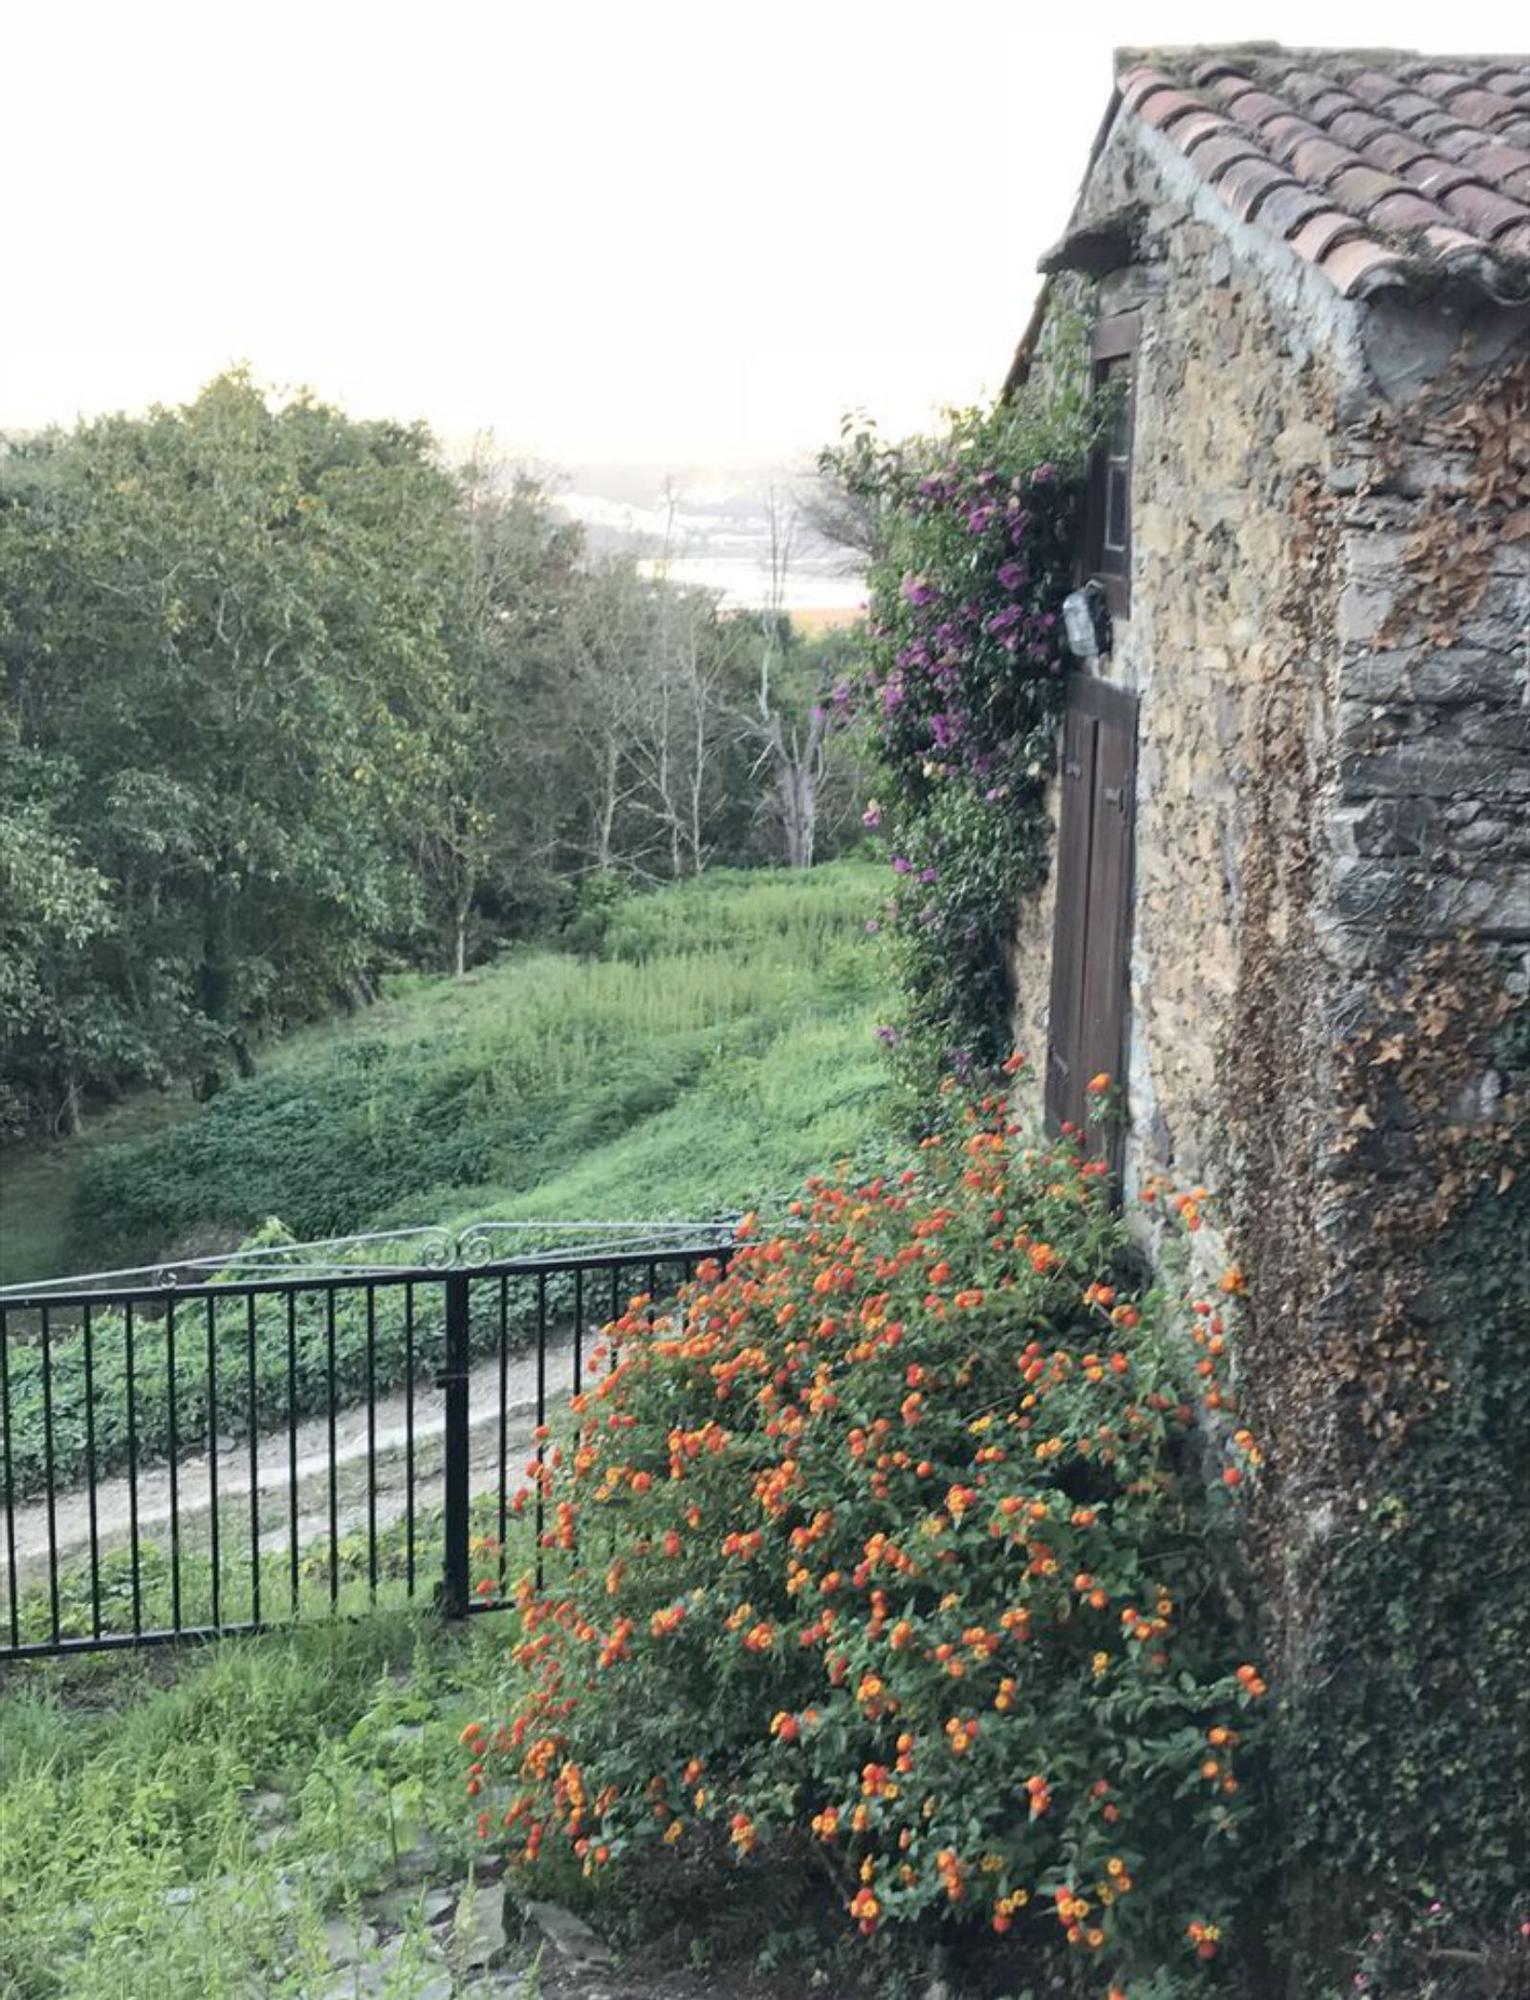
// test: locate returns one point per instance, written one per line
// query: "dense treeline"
(286, 700)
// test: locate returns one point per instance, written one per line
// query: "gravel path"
(273, 1477)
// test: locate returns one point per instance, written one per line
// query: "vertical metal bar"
(409, 1438)
(372, 1442)
(12, 1574)
(292, 1452)
(88, 1337)
(578, 1326)
(48, 1468)
(334, 1490)
(252, 1401)
(504, 1421)
(541, 1507)
(175, 1489)
(212, 1453)
(454, 1381)
(130, 1362)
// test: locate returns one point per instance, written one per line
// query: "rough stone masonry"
(1329, 639)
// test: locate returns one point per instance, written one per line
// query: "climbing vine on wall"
(975, 530)
(1404, 1758)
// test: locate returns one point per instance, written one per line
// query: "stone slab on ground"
(570, 1936)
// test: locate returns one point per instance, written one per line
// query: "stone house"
(1303, 763)
(1290, 911)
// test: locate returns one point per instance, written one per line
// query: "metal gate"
(229, 1444)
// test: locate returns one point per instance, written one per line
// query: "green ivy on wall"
(1404, 1760)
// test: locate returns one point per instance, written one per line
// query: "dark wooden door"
(1091, 939)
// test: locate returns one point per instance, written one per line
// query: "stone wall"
(1233, 412)
(1322, 786)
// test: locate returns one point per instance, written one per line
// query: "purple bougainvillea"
(960, 689)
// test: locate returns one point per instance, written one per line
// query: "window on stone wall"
(1108, 516)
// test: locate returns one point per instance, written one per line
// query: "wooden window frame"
(1116, 341)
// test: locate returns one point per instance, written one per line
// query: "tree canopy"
(286, 699)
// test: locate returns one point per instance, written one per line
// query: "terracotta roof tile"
(1329, 226)
(1211, 67)
(1162, 107)
(1442, 83)
(1189, 132)
(1411, 107)
(1219, 152)
(1248, 184)
(1458, 142)
(1382, 171)
(1354, 127)
(1305, 86)
(1136, 83)
(1228, 86)
(1396, 151)
(1281, 137)
(1359, 188)
(1431, 125)
(1434, 176)
(1398, 213)
(1360, 269)
(1327, 105)
(1255, 108)
(1316, 161)
(1484, 107)
(1287, 207)
(1375, 86)
(1499, 163)
(1482, 211)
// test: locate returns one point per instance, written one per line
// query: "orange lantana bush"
(900, 1542)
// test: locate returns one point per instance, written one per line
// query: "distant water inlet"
(225, 1447)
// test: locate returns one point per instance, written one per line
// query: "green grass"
(718, 1047)
(135, 1863)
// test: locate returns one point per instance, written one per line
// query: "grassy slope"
(717, 1049)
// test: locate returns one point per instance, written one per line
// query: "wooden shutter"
(1091, 942)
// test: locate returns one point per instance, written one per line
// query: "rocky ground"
(436, 1936)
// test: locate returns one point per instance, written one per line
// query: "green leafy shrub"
(892, 1546)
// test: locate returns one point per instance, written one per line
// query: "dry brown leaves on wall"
(1449, 557)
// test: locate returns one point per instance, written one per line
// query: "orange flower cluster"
(938, 1438)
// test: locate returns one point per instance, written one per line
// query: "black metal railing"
(223, 1445)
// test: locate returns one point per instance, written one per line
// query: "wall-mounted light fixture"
(1086, 621)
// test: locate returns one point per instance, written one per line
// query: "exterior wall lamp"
(1086, 621)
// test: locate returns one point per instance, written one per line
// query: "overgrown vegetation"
(184, 1825)
(974, 548)
(897, 1550)
(1401, 1758)
(285, 702)
(457, 1099)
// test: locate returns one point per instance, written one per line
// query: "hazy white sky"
(607, 231)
